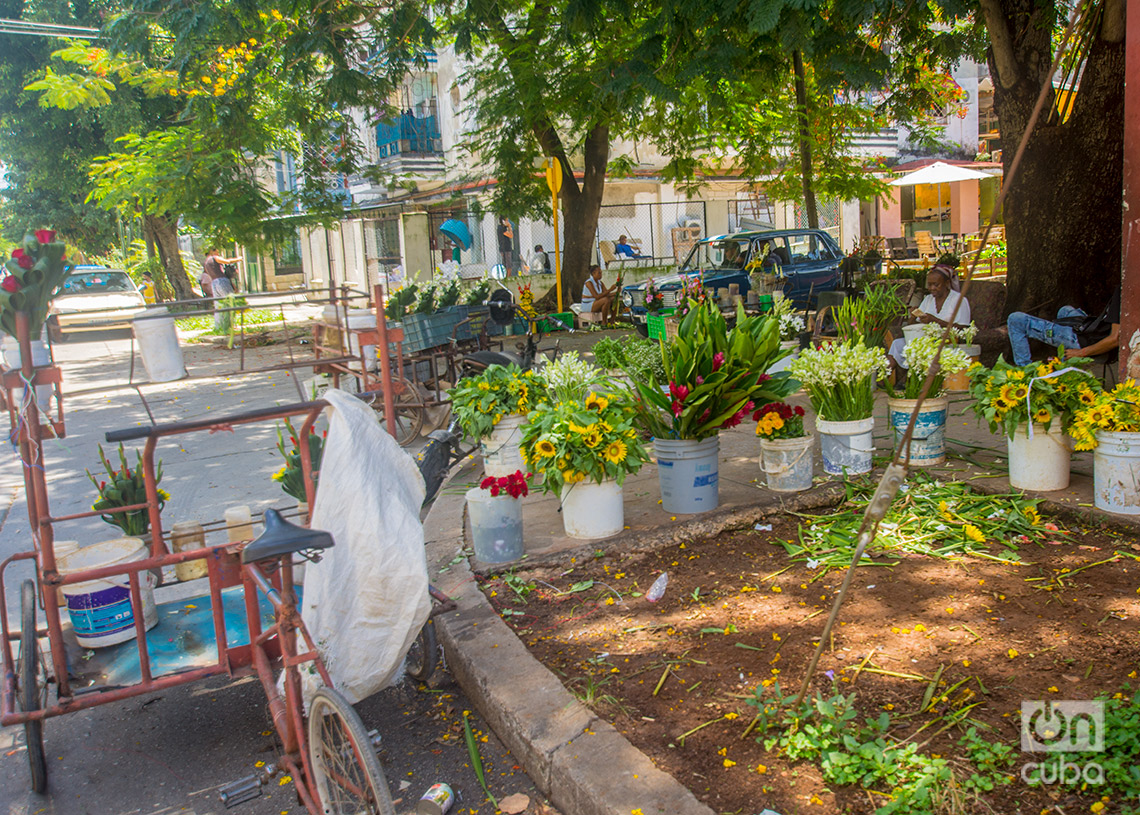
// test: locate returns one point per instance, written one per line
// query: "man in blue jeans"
(1081, 335)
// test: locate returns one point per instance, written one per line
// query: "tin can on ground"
(436, 801)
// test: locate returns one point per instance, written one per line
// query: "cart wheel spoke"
(408, 409)
(423, 656)
(33, 686)
(346, 773)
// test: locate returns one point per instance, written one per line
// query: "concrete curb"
(580, 762)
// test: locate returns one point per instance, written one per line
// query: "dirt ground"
(738, 616)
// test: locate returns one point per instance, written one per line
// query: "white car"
(94, 299)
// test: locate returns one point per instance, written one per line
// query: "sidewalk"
(580, 761)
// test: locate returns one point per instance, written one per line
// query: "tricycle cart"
(246, 622)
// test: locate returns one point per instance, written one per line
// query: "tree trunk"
(580, 206)
(1062, 210)
(163, 231)
(805, 140)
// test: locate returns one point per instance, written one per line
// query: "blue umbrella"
(457, 231)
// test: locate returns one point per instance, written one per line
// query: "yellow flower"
(1015, 376)
(483, 386)
(616, 451)
(1086, 396)
(577, 428)
(1042, 415)
(974, 534)
(1012, 653)
(595, 402)
(1044, 370)
(1019, 393)
(592, 439)
(728, 762)
(1007, 396)
(1031, 515)
(544, 448)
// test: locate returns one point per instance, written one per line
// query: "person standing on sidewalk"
(506, 244)
(214, 281)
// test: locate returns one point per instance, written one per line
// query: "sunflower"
(572, 477)
(544, 448)
(1044, 370)
(592, 439)
(577, 428)
(1015, 376)
(595, 402)
(1042, 415)
(1031, 515)
(616, 451)
(1086, 396)
(1006, 396)
(1100, 416)
(1020, 392)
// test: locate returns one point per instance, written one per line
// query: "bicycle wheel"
(33, 686)
(423, 656)
(409, 413)
(346, 771)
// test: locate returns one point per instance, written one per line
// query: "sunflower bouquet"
(570, 442)
(1009, 396)
(480, 402)
(1115, 411)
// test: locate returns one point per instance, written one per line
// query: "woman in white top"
(599, 299)
(937, 307)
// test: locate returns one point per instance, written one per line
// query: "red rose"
(45, 235)
(10, 284)
(22, 259)
(799, 411)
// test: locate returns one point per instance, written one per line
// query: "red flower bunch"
(778, 420)
(513, 485)
(738, 417)
(679, 394)
(36, 269)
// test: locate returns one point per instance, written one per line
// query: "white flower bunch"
(791, 326)
(571, 378)
(963, 334)
(838, 364)
(921, 351)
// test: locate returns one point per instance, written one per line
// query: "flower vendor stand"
(785, 448)
(1110, 425)
(714, 378)
(584, 445)
(492, 407)
(927, 446)
(1035, 405)
(840, 381)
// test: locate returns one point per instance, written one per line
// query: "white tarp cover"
(367, 599)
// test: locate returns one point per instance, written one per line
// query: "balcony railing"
(409, 135)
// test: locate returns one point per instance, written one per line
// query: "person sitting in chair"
(937, 307)
(1079, 334)
(597, 298)
(623, 249)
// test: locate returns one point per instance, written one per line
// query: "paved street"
(169, 752)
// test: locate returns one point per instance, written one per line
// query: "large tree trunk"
(805, 140)
(163, 231)
(1062, 210)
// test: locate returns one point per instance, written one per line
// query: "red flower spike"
(45, 235)
(22, 259)
(10, 284)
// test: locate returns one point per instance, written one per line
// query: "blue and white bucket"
(928, 442)
(688, 472)
(846, 446)
(100, 610)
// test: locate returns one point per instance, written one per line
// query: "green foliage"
(291, 476)
(425, 303)
(1121, 757)
(400, 300)
(640, 358)
(477, 295)
(447, 294)
(867, 318)
(1009, 396)
(205, 322)
(124, 487)
(991, 758)
(480, 402)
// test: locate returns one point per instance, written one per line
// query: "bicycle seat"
(283, 538)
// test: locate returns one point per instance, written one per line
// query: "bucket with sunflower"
(1034, 405)
(585, 450)
(492, 407)
(1110, 426)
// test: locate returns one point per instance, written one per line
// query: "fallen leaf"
(514, 804)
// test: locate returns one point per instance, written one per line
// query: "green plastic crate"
(656, 325)
(546, 325)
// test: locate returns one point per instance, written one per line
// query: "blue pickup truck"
(808, 259)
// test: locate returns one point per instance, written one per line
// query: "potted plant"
(928, 440)
(492, 407)
(866, 319)
(585, 450)
(840, 381)
(791, 326)
(399, 301)
(654, 297)
(1110, 425)
(495, 510)
(872, 262)
(291, 476)
(785, 447)
(1034, 405)
(126, 486)
(714, 378)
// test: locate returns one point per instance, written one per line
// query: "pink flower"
(22, 259)
(45, 235)
(10, 284)
(678, 392)
(760, 380)
(678, 407)
(748, 406)
(700, 379)
(718, 360)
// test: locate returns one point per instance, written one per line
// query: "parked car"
(809, 260)
(93, 298)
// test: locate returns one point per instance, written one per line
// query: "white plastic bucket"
(1040, 463)
(846, 446)
(783, 363)
(687, 470)
(787, 463)
(913, 331)
(362, 318)
(100, 610)
(928, 442)
(591, 510)
(501, 454)
(1116, 472)
(158, 344)
(496, 526)
(41, 357)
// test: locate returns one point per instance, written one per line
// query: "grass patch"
(205, 322)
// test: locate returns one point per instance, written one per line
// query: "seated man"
(623, 249)
(1081, 335)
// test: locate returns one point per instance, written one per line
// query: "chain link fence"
(655, 234)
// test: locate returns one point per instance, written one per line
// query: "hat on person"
(147, 274)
